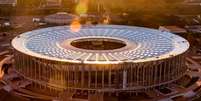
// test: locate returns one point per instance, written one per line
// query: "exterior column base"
(96, 97)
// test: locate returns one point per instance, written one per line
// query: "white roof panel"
(142, 44)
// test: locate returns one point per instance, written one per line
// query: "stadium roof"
(142, 44)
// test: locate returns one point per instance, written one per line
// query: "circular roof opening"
(98, 44)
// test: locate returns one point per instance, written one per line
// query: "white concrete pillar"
(124, 78)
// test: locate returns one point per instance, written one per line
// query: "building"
(194, 29)
(173, 29)
(60, 18)
(53, 3)
(98, 62)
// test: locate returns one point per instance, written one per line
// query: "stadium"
(99, 60)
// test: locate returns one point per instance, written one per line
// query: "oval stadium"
(99, 61)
